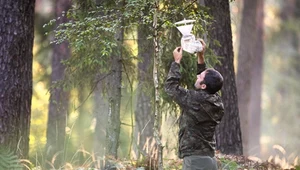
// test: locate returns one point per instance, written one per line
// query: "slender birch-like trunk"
(157, 111)
(113, 127)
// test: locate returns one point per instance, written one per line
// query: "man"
(202, 110)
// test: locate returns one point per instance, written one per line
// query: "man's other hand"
(203, 47)
(177, 54)
(201, 54)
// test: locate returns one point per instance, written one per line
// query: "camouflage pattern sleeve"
(172, 88)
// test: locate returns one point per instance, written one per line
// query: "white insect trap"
(188, 41)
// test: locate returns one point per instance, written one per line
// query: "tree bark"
(228, 133)
(157, 107)
(115, 82)
(114, 123)
(144, 118)
(16, 43)
(59, 99)
(101, 109)
(101, 112)
(247, 51)
(256, 84)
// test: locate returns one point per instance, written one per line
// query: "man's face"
(200, 78)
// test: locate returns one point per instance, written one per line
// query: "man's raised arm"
(201, 66)
(172, 88)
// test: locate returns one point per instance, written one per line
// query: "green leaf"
(9, 161)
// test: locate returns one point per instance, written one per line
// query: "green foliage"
(228, 164)
(92, 36)
(171, 13)
(92, 42)
(9, 160)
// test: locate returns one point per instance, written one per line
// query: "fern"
(9, 160)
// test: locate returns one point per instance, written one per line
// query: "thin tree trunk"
(256, 84)
(16, 43)
(114, 123)
(228, 133)
(157, 111)
(59, 99)
(144, 118)
(80, 125)
(101, 113)
(115, 82)
(247, 51)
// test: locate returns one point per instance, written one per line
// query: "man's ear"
(203, 86)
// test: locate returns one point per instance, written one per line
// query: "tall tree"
(59, 99)
(256, 84)
(100, 112)
(114, 96)
(144, 118)
(249, 73)
(16, 41)
(228, 133)
(156, 72)
(101, 108)
(93, 56)
(113, 126)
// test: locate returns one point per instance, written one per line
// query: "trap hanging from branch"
(188, 40)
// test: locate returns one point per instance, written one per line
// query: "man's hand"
(177, 54)
(201, 54)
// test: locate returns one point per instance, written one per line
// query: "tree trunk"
(81, 122)
(101, 110)
(247, 51)
(114, 84)
(144, 118)
(101, 113)
(114, 123)
(16, 42)
(59, 99)
(256, 84)
(157, 108)
(228, 133)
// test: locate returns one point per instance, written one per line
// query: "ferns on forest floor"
(9, 160)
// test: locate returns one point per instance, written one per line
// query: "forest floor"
(242, 162)
(225, 162)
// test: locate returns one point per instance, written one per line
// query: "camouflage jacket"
(201, 113)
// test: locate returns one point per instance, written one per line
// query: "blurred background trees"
(280, 82)
(59, 98)
(111, 47)
(249, 75)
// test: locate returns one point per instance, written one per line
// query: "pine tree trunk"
(16, 43)
(256, 84)
(115, 82)
(228, 133)
(245, 65)
(144, 118)
(114, 123)
(59, 99)
(101, 113)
